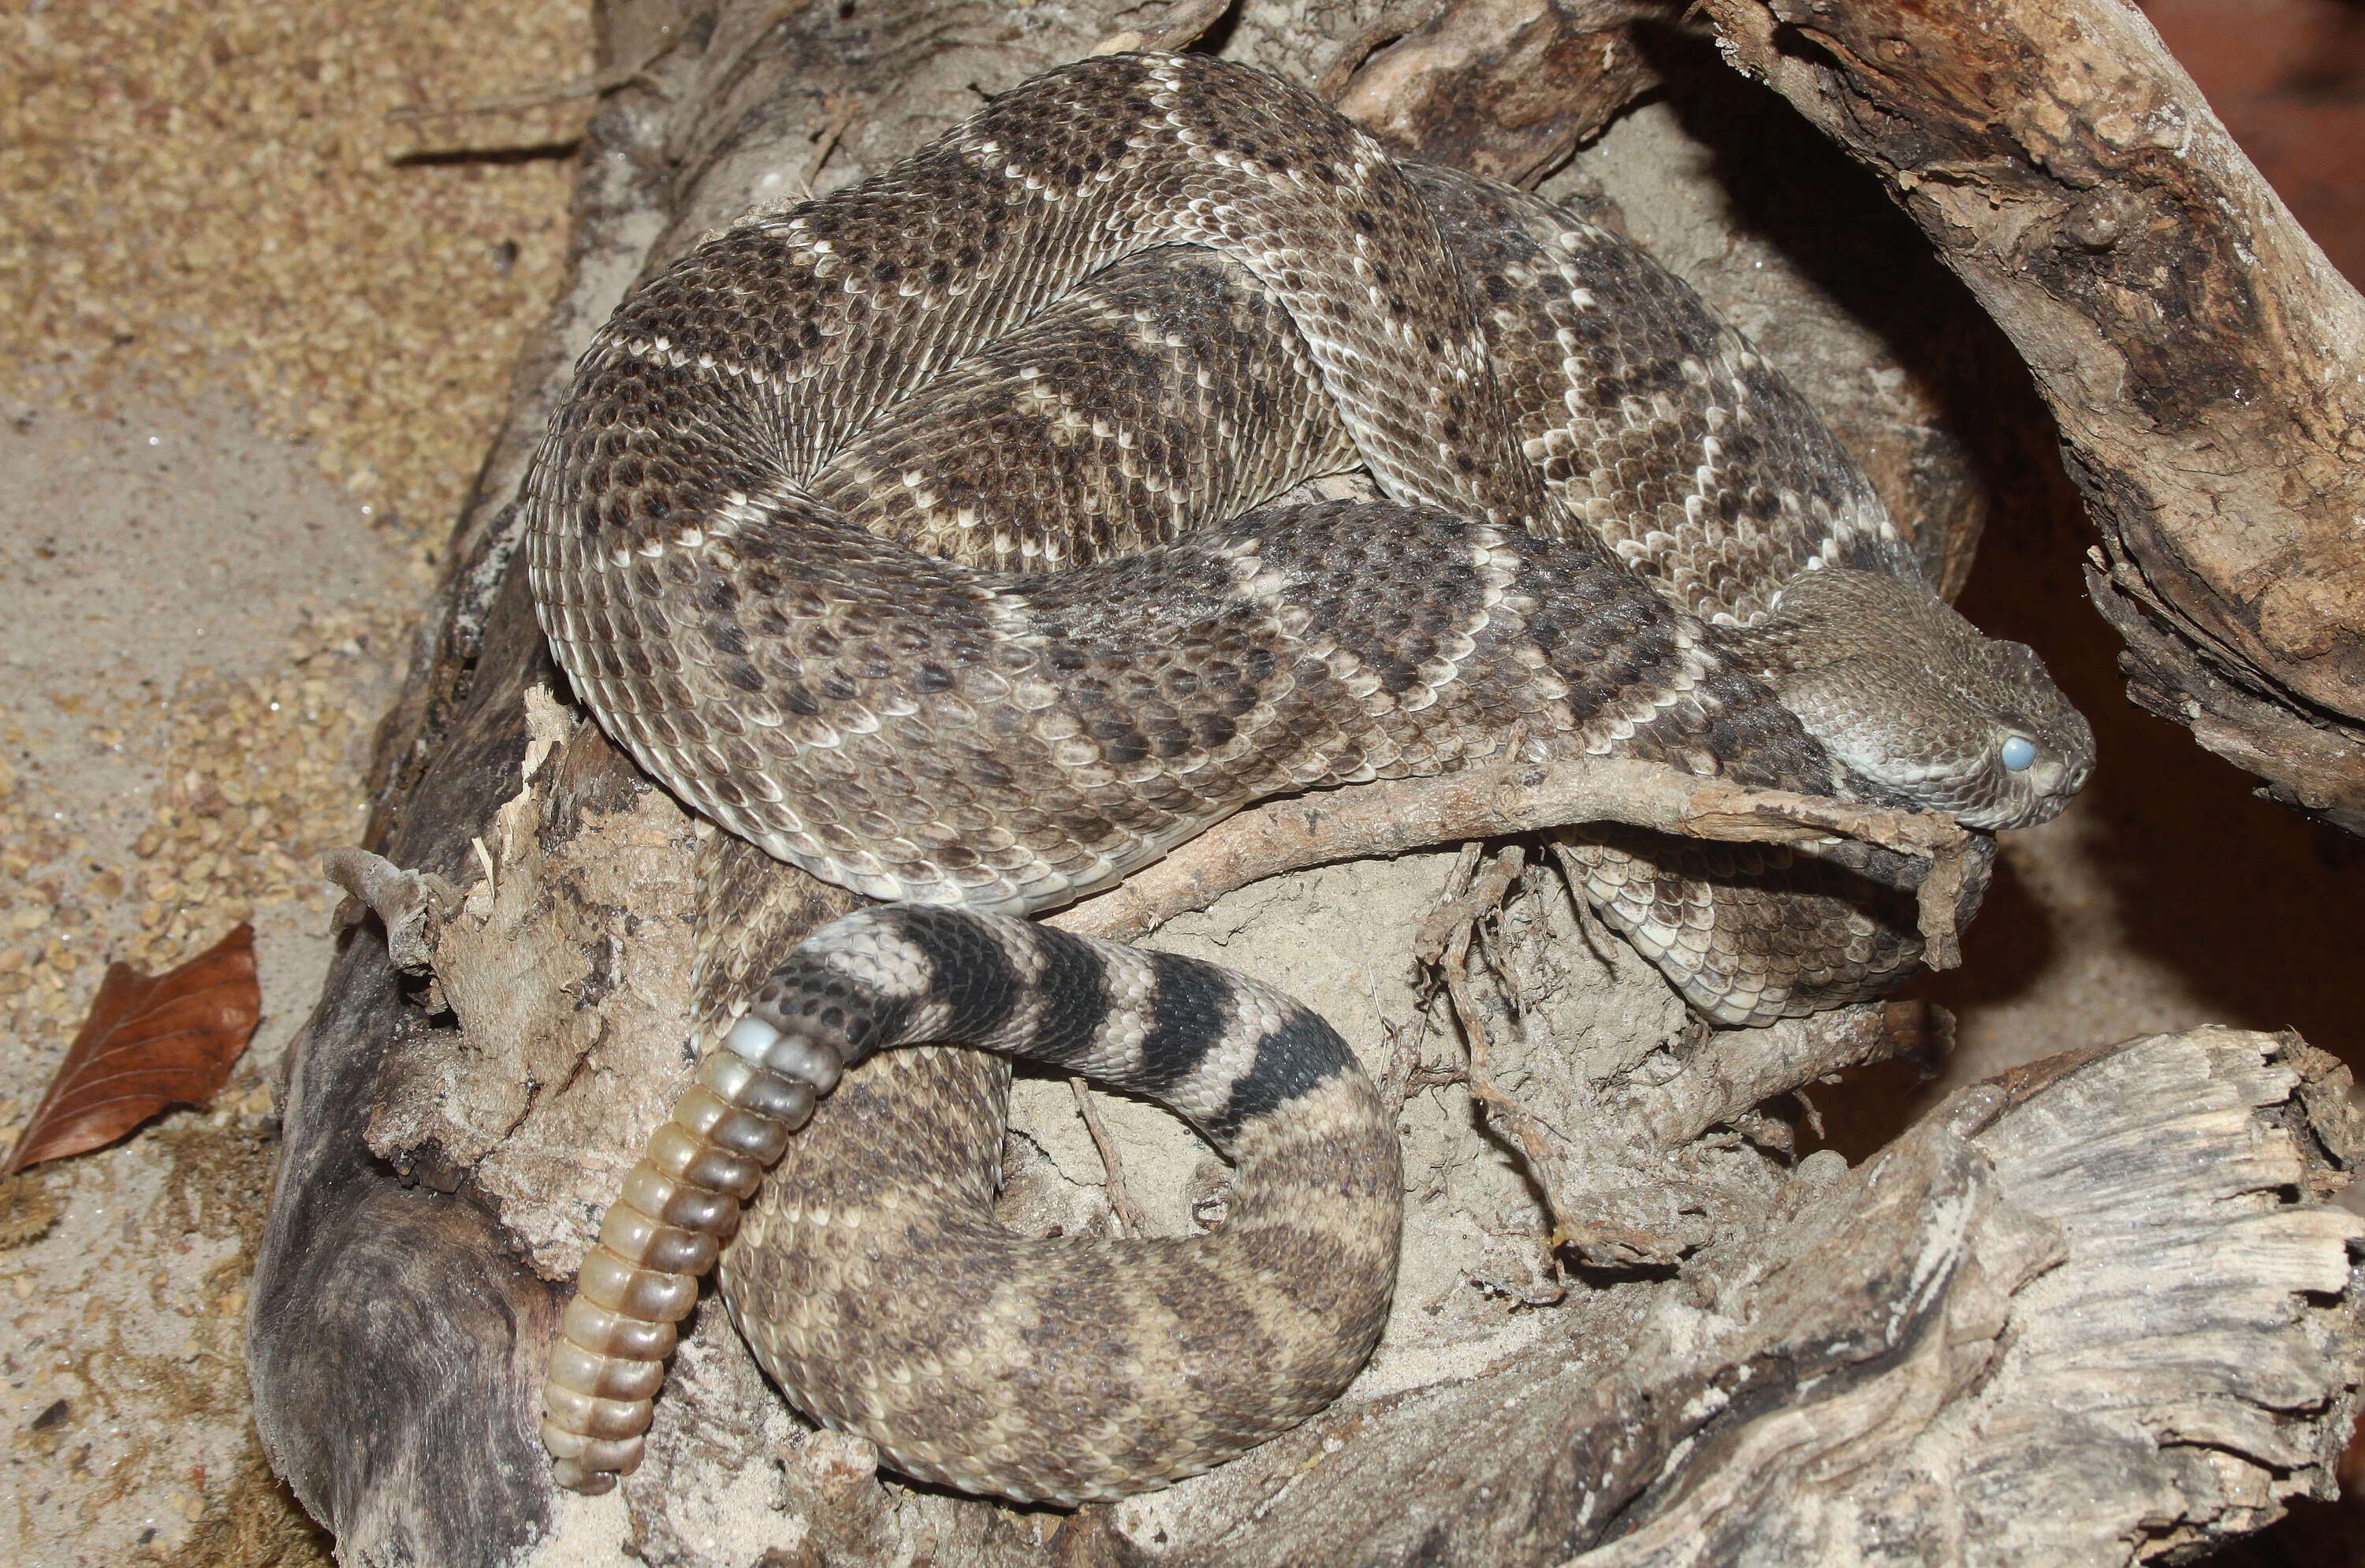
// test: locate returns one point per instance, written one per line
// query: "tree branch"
(1391, 817)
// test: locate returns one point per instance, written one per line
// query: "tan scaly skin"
(701, 546)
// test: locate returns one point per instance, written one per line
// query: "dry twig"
(1120, 1200)
(590, 86)
(1485, 893)
(1391, 817)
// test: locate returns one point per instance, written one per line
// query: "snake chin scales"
(942, 536)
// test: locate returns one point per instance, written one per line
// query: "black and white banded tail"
(1267, 1082)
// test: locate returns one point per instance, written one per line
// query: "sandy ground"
(159, 800)
(254, 342)
(254, 336)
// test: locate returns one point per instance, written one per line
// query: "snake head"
(1902, 688)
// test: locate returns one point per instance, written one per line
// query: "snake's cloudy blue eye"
(2019, 751)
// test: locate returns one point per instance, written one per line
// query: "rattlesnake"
(737, 614)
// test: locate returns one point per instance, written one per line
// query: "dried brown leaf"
(151, 1042)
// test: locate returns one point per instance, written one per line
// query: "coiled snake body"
(729, 530)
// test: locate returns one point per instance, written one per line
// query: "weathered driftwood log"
(2200, 353)
(1808, 1359)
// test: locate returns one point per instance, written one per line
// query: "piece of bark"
(2196, 348)
(1786, 1056)
(393, 1342)
(1505, 88)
